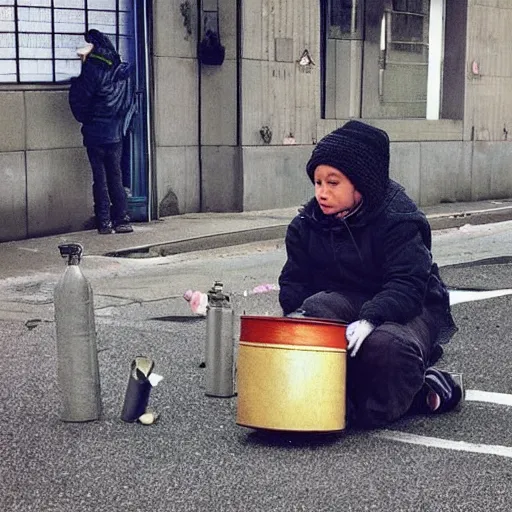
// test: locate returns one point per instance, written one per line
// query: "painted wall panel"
(255, 16)
(221, 179)
(445, 172)
(219, 104)
(176, 102)
(178, 177)
(404, 167)
(171, 28)
(52, 124)
(488, 106)
(228, 27)
(403, 130)
(13, 203)
(275, 177)
(59, 192)
(491, 170)
(12, 127)
(280, 95)
(254, 80)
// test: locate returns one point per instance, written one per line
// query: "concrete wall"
(279, 95)
(275, 177)
(435, 160)
(488, 104)
(176, 103)
(431, 172)
(43, 166)
(221, 175)
(276, 91)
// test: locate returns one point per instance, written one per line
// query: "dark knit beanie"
(361, 153)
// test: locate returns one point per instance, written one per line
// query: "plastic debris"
(197, 300)
(149, 417)
(264, 288)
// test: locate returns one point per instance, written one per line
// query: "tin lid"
(311, 332)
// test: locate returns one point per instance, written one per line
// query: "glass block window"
(39, 38)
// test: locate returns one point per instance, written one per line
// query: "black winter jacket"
(383, 255)
(101, 95)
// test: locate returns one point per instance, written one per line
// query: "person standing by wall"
(100, 98)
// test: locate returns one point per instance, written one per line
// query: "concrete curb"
(455, 220)
(278, 232)
(202, 243)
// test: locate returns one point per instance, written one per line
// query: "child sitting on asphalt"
(360, 252)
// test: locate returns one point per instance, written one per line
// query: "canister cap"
(216, 296)
(311, 332)
(72, 251)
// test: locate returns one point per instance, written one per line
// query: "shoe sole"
(123, 230)
(457, 377)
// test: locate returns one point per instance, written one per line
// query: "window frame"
(122, 11)
(341, 101)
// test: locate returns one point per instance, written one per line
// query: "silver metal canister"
(77, 357)
(219, 344)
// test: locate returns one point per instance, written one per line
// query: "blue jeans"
(110, 201)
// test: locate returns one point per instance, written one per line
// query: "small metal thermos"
(219, 344)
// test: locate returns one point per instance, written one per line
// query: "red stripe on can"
(313, 332)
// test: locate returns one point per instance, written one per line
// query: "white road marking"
(471, 395)
(474, 395)
(458, 296)
(446, 444)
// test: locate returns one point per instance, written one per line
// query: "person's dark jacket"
(383, 255)
(100, 96)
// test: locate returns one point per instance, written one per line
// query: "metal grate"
(39, 38)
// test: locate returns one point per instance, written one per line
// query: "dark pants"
(107, 188)
(389, 369)
(125, 161)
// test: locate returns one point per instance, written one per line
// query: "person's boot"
(105, 227)
(123, 225)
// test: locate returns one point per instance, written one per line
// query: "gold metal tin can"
(291, 374)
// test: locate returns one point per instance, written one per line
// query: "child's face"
(334, 191)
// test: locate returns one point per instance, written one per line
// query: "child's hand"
(356, 334)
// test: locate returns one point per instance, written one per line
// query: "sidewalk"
(200, 231)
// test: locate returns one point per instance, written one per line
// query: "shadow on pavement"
(293, 439)
(485, 274)
(179, 318)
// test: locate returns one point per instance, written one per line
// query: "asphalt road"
(195, 458)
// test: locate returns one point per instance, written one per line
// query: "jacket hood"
(103, 47)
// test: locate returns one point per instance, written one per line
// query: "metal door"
(137, 147)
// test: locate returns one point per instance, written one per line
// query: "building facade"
(233, 133)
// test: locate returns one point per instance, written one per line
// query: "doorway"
(137, 147)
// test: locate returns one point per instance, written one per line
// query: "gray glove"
(356, 334)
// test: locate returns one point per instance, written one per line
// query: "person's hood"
(103, 47)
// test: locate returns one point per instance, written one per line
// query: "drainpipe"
(239, 74)
(199, 104)
(148, 52)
